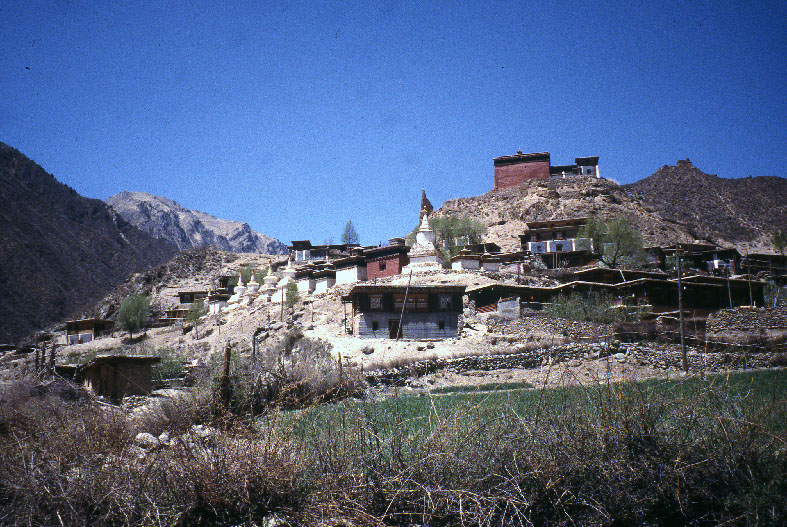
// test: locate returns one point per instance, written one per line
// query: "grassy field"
(756, 391)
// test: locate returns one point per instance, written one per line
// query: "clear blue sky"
(297, 116)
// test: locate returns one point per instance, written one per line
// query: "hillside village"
(275, 386)
(414, 302)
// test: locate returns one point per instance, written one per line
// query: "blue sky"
(297, 116)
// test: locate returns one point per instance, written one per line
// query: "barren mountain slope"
(168, 220)
(505, 212)
(58, 250)
(742, 212)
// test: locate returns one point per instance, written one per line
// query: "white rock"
(146, 440)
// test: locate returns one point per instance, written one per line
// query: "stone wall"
(745, 325)
(559, 326)
(663, 356)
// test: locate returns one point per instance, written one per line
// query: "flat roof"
(388, 249)
(89, 320)
(386, 288)
(566, 222)
(114, 359)
(521, 158)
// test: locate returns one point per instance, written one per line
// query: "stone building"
(399, 311)
(117, 376)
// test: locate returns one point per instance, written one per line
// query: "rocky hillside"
(505, 212)
(59, 251)
(741, 212)
(168, 220)
(677, 203)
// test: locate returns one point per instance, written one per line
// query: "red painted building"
(511, 171)
(386, 261)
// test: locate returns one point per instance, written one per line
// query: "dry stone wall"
(745, 325)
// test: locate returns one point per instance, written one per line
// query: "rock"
(367, 350)
(430, 346)
(146, 440)
(164, 438)
(203, 431)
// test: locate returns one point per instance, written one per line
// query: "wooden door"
(394, 331)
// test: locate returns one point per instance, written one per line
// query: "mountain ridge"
(59, 251)
(167, 219)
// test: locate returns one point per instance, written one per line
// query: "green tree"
(133, 313)
(452, 233)
(617, 242)
(245, 273)
(291, 294)
(779, 241)
(196, 310)
(350, 235)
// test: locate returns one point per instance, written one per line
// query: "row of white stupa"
(423, 255)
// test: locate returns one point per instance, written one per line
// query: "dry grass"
(696, 452)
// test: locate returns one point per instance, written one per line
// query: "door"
(394, 331)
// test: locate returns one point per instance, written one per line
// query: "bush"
(296, 372)
(133, 313)
(592, 307)
(171, 365)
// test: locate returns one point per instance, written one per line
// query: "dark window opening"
(441, 324)
(382, 266)
(375, 325)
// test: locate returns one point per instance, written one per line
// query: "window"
(375, 325)
(382, 266)
(441, 324)
(445, 302)
(376, 302)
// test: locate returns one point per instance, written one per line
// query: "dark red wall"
(512, 175)
(393, 266)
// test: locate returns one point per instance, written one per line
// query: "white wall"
(350, 275)
(464, 264)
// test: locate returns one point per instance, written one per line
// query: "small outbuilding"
(117, 376)
(87, 330)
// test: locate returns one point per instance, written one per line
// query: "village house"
(479, 256)
(772, 265)
(87, 330)
(555, 236)
(118, 376)
(398, 311)
(702, 294)
(510, 171)
(189, 297)
(386, 261)
(702, 257)
(304, 251)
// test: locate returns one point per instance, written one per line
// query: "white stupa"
(240, 290)
(281, 287)
(424, 256)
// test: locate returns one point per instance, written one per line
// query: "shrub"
(295, 372)
(171, 365)
(592, 307)
(133, 313)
